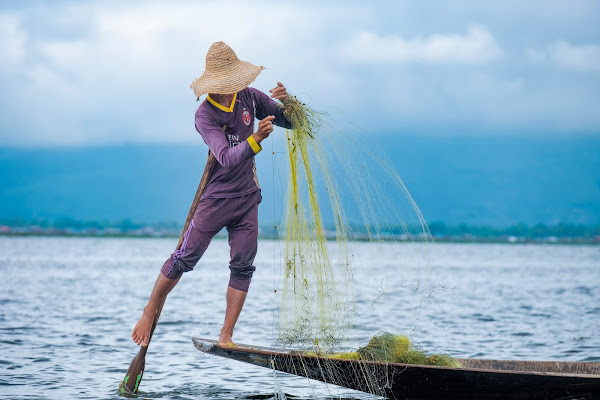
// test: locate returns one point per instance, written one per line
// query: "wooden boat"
(477, 379)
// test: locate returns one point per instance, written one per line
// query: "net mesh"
(316, 300)
(334, 294)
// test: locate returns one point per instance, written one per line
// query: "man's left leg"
(243, 242)
(235, 303)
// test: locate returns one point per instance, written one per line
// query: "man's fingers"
(279, 92)
(276, 90)
(267, 128)
(266, 125)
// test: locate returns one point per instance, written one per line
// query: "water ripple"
(67, 320)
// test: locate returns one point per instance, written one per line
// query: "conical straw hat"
(224, 72)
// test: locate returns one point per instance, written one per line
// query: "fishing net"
(388, 347)
(336, 292)
(317, 294)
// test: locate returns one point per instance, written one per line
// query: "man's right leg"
(203, 227)
(162, 287)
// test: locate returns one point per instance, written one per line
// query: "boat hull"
(405, 381)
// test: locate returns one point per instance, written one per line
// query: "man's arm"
(219, 145)
(266, 106)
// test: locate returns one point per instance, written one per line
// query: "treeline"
(77, 227)
(520, 230)
(559, 233)
(72, 223)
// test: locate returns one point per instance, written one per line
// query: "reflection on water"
(67, 306)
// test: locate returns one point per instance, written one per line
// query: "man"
(226, 122)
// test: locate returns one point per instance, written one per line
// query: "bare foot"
(225, 340)
(141, 332)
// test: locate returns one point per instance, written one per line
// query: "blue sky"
(110, 72)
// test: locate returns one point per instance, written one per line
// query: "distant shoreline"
(438, 231)
(221, 236)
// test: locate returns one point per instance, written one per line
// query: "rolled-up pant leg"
(209, 219)
(243, 242)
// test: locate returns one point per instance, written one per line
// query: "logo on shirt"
(234, 140)
(246, 117)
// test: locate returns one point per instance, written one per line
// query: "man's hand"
(279, 92)
(265, 127)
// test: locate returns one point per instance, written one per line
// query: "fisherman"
(225, 120)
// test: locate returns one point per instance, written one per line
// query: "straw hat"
(224, 72)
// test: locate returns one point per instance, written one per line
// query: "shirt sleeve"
(266, 106)
(214, 137)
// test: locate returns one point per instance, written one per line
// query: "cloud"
(567, 56)
(477, 46)
(89, 73)
(127, 76)
(575, 57)
(12, 42)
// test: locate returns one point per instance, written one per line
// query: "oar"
(131, 383)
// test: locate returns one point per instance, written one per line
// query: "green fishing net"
(398, 349)
(341, 196)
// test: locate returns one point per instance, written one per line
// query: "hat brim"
(237, 78)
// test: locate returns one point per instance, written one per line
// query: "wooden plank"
(557, 367)
(404, 381)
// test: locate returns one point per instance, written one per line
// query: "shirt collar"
(219, 106)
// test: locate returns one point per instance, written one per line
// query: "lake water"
(67, 307)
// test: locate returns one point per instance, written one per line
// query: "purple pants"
(240, 216)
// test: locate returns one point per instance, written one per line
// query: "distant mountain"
(502, 181)
(493, 181)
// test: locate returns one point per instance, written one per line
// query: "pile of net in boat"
(387, 347)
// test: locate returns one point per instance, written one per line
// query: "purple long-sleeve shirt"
(235, 172)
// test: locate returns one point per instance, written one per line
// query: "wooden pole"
(130, 384)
